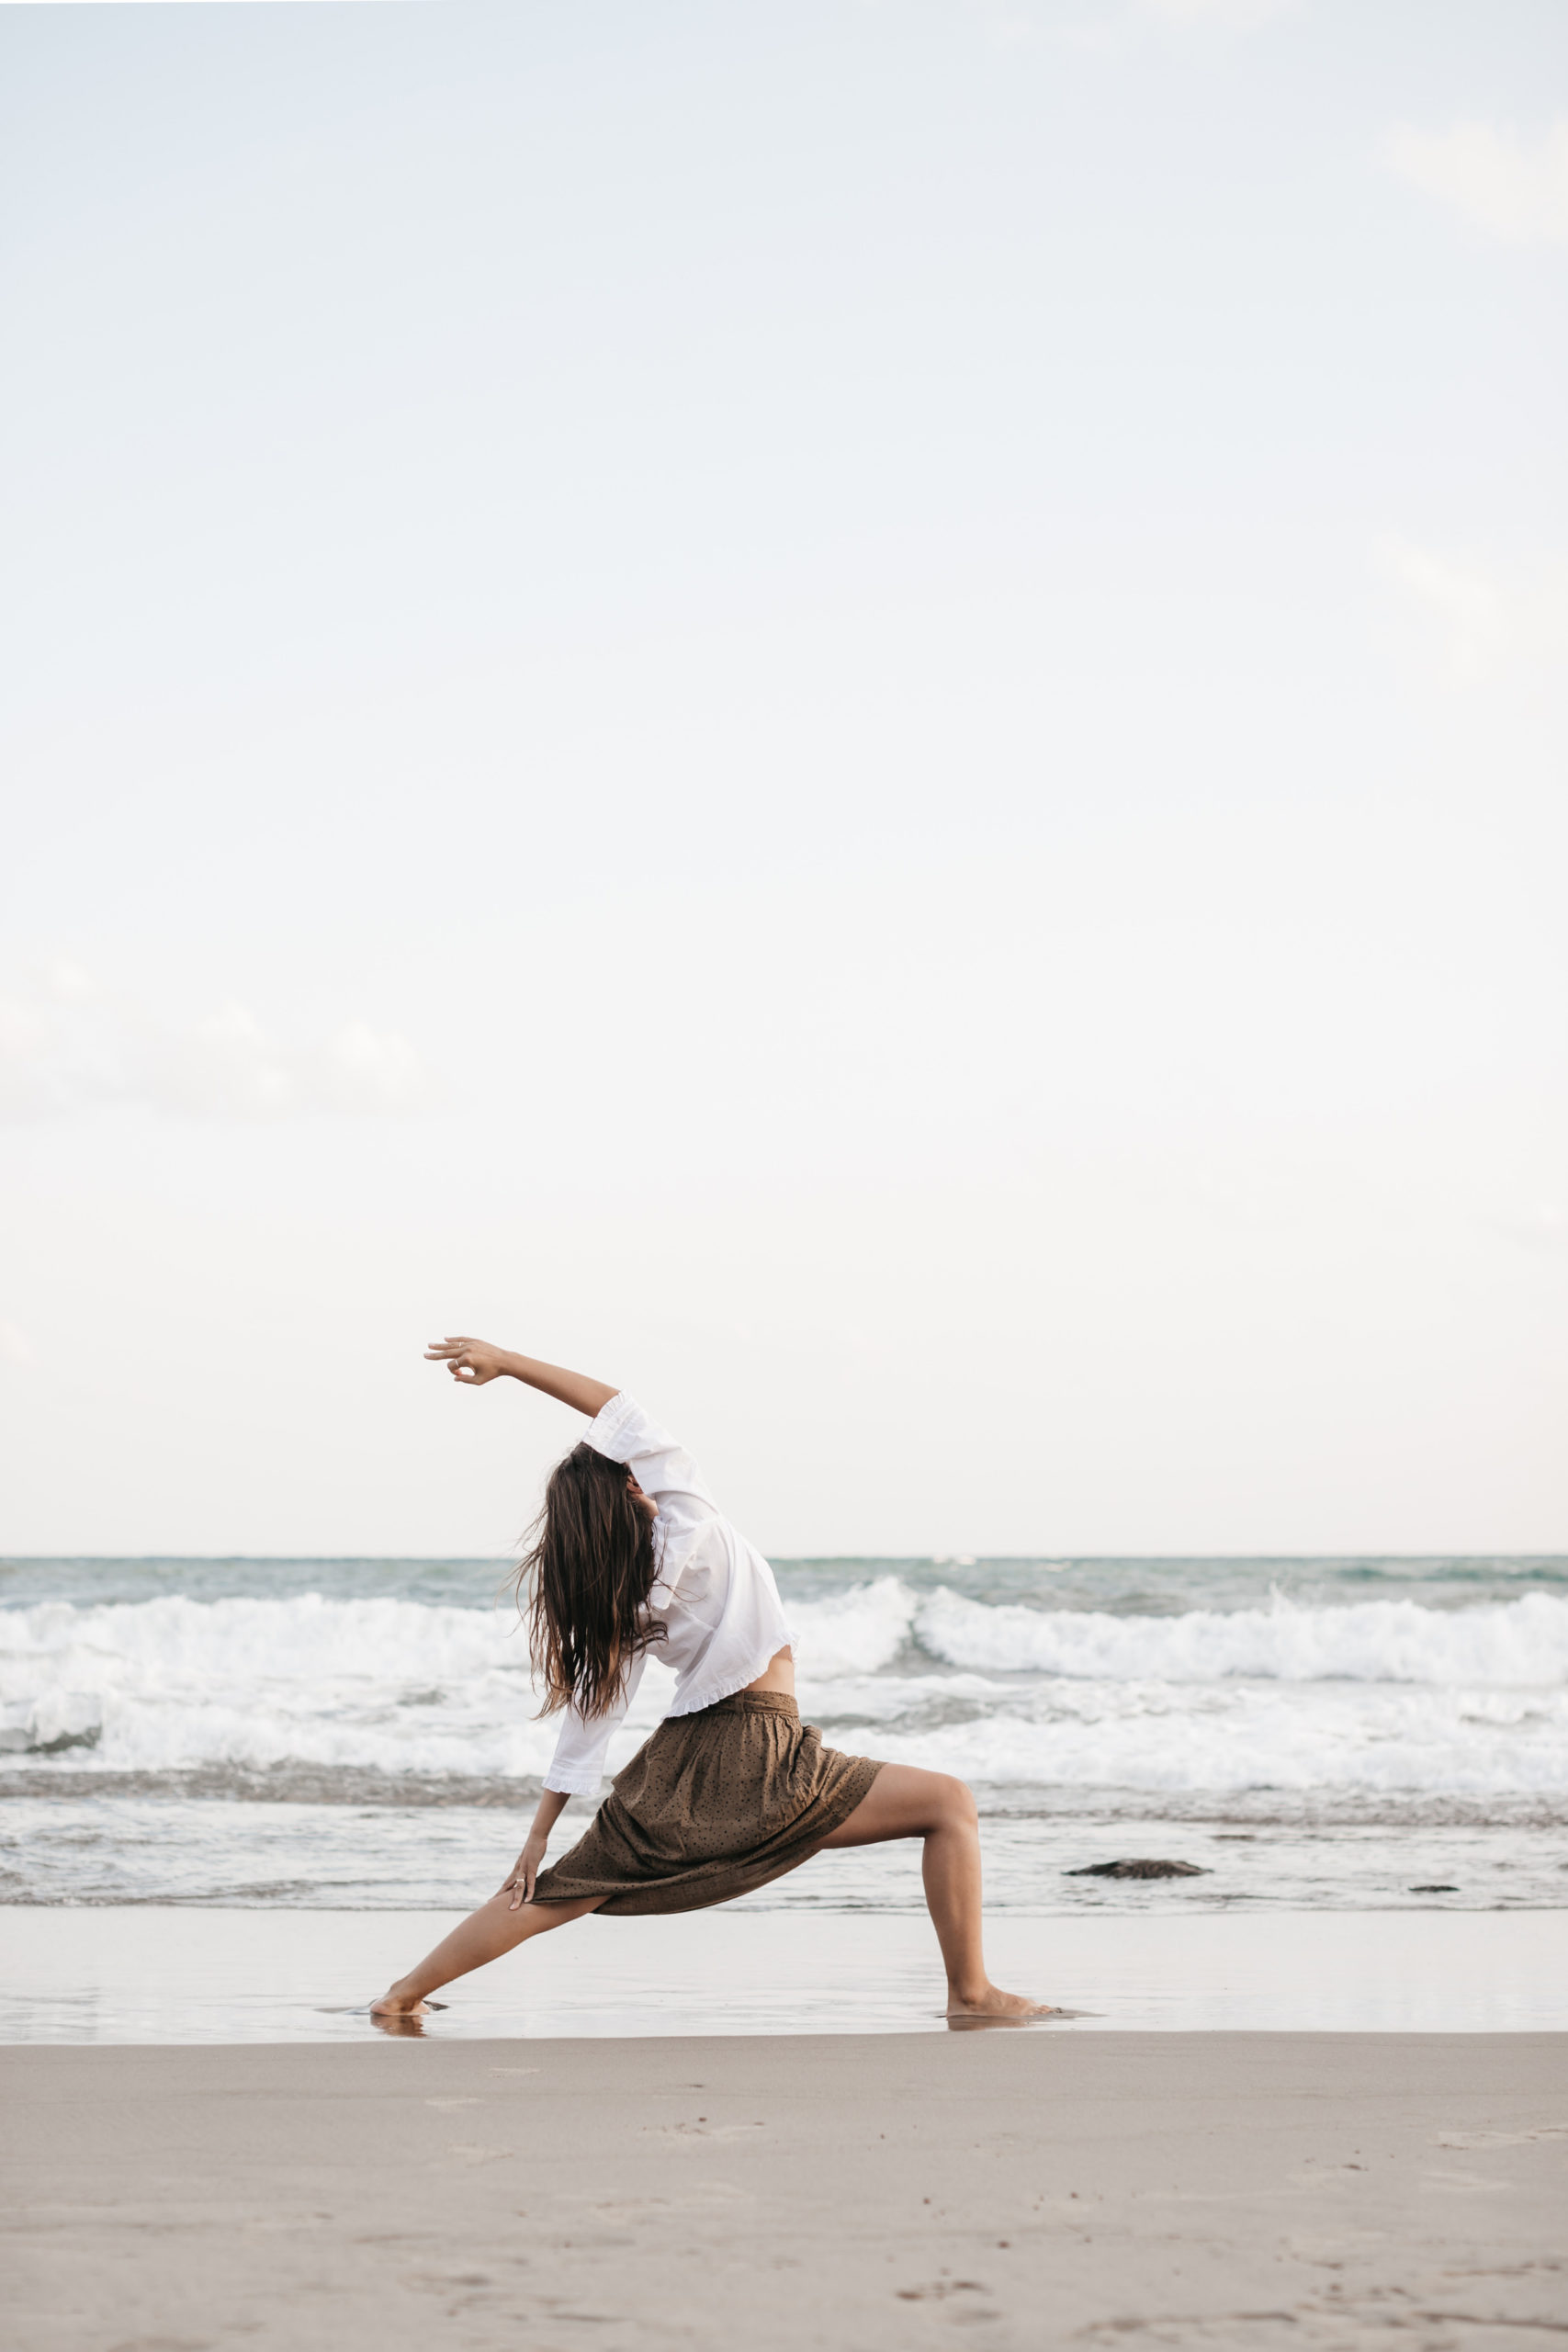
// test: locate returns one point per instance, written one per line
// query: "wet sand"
(148, 1973)
(1236, 2190)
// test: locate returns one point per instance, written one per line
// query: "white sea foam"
(391, 1685)
(858, 1631)
(1521, 1644)
(1295, 1738)
(1377, 1695)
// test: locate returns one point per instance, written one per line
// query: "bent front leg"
(905, 1802)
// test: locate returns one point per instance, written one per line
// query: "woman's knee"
(957, 1805)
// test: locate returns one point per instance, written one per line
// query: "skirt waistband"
(747, 1702)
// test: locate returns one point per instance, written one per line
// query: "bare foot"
(395, 2003)
(1000, 2009)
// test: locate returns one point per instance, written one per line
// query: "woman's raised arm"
(473, 1361)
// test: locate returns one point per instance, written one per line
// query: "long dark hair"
(587, 1570)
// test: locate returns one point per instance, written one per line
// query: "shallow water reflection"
(152, 1974)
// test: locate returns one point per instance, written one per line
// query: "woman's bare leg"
(904, 1803)
(495, 1928)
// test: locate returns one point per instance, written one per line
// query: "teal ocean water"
(364, 1734)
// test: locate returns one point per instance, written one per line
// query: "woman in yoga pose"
(631, 1556)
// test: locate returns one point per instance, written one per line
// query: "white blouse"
(712, 1591)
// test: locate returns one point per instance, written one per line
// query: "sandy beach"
(1216, 2190)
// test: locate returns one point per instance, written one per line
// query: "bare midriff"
(778, 1674)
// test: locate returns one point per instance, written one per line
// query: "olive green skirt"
(710, 1806)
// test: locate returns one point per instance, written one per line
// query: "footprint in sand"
(1501, 2139)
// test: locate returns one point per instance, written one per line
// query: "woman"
(631, 1556)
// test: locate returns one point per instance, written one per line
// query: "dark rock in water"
(1138, 1869)
(1431, 1889)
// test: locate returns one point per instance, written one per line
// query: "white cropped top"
(712, 1591)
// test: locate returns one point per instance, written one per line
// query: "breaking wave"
(1376, 1695)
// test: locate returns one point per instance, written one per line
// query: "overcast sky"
(853, 712)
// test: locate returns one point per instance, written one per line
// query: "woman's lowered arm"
(530, 1861)
(473, 1361)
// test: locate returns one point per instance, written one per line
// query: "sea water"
(356, 1735)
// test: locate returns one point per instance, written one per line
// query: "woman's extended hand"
(525, 1871)
(473, 1361)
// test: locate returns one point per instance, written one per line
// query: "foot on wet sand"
(394, 2003)
(1002, 2008)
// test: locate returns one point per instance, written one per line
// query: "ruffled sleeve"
(660, 1464)
(578, 1765)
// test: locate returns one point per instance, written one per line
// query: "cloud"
(1489, 622)
(67, 1046)
(1498, 179)
(66, 982)
(368, 1069)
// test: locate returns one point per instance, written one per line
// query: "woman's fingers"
(466, 1359)
(522, 1882)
